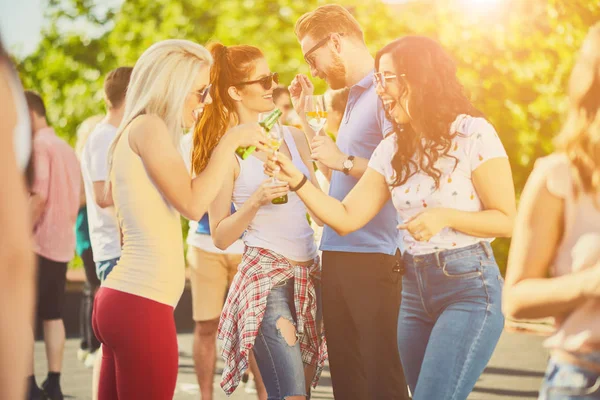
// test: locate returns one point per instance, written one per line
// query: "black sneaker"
(52, 392)
(36, 394)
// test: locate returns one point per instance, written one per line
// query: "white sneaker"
(82, 354)
(90, 359)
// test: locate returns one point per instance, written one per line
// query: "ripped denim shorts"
(277, 349)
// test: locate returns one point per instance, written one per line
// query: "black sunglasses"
(316, 47)
(266, 82)
(203, 94)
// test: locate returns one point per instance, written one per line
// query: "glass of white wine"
(274, 141)
(316, 112)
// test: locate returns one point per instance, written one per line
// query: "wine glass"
(316, 112)
(274, 141)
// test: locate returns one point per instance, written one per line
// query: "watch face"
(348, 164)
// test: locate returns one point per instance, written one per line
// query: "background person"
(55, 200)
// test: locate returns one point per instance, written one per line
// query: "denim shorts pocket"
(570, 382)
(462, 268)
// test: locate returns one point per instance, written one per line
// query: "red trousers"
(139, 347)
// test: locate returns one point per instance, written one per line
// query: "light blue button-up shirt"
(364, 125)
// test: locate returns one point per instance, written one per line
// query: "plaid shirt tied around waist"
(260, 270)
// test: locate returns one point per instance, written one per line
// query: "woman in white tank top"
(133, 312)
(271, 308)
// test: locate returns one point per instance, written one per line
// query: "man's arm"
(326, 151)
(40, 187)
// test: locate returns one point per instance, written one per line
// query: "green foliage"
(514, 56)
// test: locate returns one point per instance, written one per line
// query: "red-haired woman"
(271, 308)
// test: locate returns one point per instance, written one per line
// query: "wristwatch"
(348, 164)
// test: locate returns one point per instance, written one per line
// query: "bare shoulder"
(147, 130)
(150, 124)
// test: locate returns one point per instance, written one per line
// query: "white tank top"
(151, 263)
(282, 228)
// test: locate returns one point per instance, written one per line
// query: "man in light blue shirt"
(361, 279)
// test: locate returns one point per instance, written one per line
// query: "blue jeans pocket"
(462, 268)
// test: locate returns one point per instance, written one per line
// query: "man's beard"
(336, 74)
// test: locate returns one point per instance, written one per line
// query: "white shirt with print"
(475, 143)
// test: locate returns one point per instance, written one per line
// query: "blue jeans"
(564, 381)
(280, 363)
(103, 268)
(450, 320)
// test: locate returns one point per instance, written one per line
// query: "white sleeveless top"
(151, 263)
(282, 228)
(22, 132)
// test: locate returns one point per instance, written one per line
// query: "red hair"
(232, 64)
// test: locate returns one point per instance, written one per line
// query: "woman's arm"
(304, 150)
(361, 205)
(226, 228)
(528, 291)
(150, 139)
(495, 187)
(17, 263)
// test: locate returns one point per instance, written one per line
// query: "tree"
(514, 57)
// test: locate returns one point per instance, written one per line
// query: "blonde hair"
(83, 132)
(161, 79)
(580, 136)
(330, 18)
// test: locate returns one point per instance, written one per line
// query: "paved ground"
(514, 372)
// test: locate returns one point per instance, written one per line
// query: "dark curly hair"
(436, 99)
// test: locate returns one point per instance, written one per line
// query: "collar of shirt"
(367, 81)
(356, 92)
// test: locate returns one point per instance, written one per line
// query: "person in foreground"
(17, 262)
(448, 176)
(554, 261)
(150, 186)
(272, 307)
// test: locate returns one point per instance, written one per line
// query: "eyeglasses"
(380, 78)
(316, 47)
(266, 82)
(202, 94)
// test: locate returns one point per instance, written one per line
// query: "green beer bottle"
(267, 124)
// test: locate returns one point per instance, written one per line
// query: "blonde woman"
(547, 274)
(133, 313)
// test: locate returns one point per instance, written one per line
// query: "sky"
(20, 24)
(22, 20)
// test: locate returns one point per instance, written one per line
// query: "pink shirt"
(58, 181)
(580, 330)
